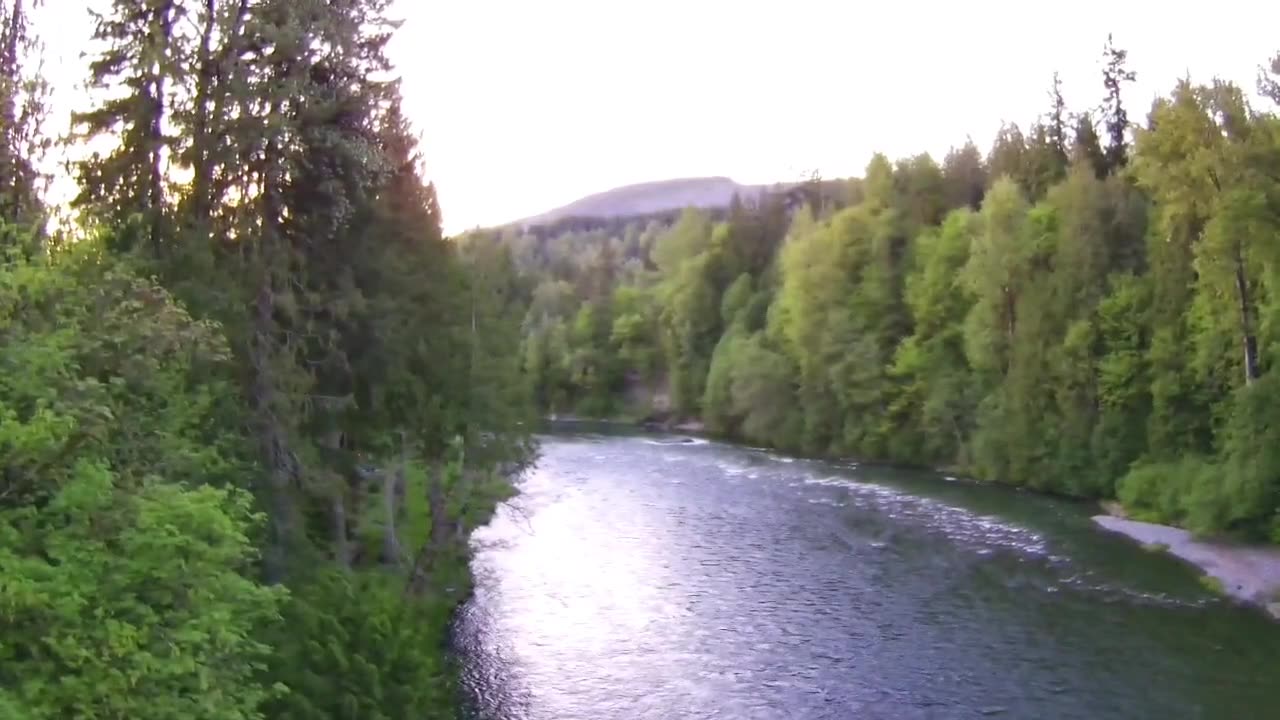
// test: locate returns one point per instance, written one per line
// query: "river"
(638, 577)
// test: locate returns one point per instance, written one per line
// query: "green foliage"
(1213, 585)
(688, 238)
(763, 394)
(1249, 489)
(691, 328)
(354, 645)
(935, 400)
(24, 107)
(717, 402)
(635, 332)
(736, 300)
(143, 592)
(1083, 315)
(271, 318)
(1183, 492)
(121, 560)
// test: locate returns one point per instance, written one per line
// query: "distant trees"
(1082, 314)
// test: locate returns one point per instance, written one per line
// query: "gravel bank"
(1248, 573)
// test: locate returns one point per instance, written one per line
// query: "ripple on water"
(957, 524)
(632, 581)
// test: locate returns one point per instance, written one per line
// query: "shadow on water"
(640, 576)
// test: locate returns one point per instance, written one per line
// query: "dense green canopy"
(252, 400)
(1088, 310)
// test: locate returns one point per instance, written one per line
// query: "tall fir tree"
(24, 107)
(142, 52)
(1115, 75)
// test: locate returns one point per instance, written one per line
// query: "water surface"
(638, 577)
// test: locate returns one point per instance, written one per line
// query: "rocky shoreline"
(1248, 573)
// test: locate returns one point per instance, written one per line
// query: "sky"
(524, 106)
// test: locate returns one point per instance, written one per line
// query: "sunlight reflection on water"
(638, 578)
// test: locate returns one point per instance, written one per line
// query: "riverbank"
(1248, 573)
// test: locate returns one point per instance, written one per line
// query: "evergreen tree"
(1269, 80)
(23, 110)
(1086, 147)
(1056, 123)
(964, 177)
(1009, 157)
(378, 370)
(143, 53)
(1115, 74)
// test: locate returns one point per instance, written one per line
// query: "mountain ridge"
(651, 197)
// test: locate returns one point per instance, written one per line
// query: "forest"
(1089, 308)
(251, 400)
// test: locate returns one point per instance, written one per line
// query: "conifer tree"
(23, 110)
(1115, 74)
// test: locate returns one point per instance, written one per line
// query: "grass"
(1114, 508)
(1155, 547)
(1212, 584)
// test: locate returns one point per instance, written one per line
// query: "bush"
(1250, 485)
(126, 579)
(355, 645)
(1186, 492)
(132, 604)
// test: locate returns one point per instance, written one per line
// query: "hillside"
(648, 198)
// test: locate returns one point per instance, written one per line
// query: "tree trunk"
(338, 504)
(1251, 370)
(161, 33)
(11, 191)
(958, 436)
(12, 39)
(271, 434)
(341, 545)
(391, 482)
(211, 103)
(436, 501)
(438, 534)
(1011, 318)
(200, 137)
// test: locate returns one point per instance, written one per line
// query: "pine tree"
(23, 110)
(1046, 161)
(143, 53)
(1086, 147)
(1115, 74)
(1269, 80)
(964, 177)
(1056, 123)
(1009, 157)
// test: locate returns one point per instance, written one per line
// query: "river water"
(639, 577)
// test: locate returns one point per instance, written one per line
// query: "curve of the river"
(637, 577)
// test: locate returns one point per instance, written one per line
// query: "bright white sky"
(526, 105)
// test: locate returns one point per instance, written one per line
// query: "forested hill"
(650, 198)
(1090, 307)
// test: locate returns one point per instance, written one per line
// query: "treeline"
(251, 401)
(1088, 308)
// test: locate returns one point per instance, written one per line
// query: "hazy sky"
(525, 105)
